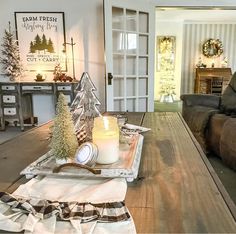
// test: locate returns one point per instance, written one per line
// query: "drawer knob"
(7, 88)
(9, 111)
(8, 99)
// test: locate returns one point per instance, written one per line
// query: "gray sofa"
(212, 120)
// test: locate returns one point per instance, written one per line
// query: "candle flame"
(106, 123)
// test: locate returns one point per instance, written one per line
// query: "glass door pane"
(118, 42)
(143, 22)
(131, 20)
(117, 18)
(131, 105)
(119, 105)
(118, 87)
(143, 86)
(118, 65)
(143, 66)
(143, 44)
(130, 65)
(131, 43)
(131, 87)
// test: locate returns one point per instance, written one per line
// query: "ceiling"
(194, 2)
(196, 15)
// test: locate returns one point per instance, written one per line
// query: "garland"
(212, 48)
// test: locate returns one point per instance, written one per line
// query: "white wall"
(170, 28)
(83, 22)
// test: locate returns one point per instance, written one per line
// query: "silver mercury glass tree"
(84, 107)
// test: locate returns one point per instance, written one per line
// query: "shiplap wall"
(194, 35)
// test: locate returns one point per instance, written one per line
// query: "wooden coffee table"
(177, 189)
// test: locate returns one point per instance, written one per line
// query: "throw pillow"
(228, 99)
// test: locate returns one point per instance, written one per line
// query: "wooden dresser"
(212, 80)
(16, 99)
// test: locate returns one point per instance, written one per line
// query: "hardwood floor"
(10, 133)
(226, 175)
(175, 106)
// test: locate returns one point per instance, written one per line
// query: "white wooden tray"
(127, 166)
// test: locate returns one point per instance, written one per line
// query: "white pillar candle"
(106, 137)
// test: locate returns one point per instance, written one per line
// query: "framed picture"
(165, 53)
(41, 38)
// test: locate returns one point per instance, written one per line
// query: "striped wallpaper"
(194, 35)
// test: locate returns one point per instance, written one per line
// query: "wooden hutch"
(212, 80)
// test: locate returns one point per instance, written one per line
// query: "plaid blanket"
(86, 212)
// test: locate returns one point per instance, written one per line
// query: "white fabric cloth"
(74, 189)
(67, 190)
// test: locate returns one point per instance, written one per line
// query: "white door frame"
(138, 5)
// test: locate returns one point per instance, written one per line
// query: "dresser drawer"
(9, 99)
(9, 87)
(64, 88)
(36, 87)
(9, 111)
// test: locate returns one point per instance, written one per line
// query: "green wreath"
(212, 48)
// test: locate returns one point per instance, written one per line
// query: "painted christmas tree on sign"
(85, 108)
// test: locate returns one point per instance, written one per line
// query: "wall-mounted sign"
(41, 38)
(166, 66)
(165, 52)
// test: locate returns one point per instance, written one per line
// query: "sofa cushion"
(228, 99)
(228, 143)
(208, 100)
(197, 118)
(214, 132)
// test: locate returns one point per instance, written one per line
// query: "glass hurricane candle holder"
(106, 136)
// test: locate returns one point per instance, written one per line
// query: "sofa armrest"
(208, 100)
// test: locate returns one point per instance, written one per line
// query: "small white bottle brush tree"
(63, 142)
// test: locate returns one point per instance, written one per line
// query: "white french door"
(129, 50)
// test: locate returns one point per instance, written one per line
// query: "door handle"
(110, 77)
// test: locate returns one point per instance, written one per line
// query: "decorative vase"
(39, 77)
(61, 161)
(167, 98)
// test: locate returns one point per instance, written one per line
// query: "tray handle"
(76, 165)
